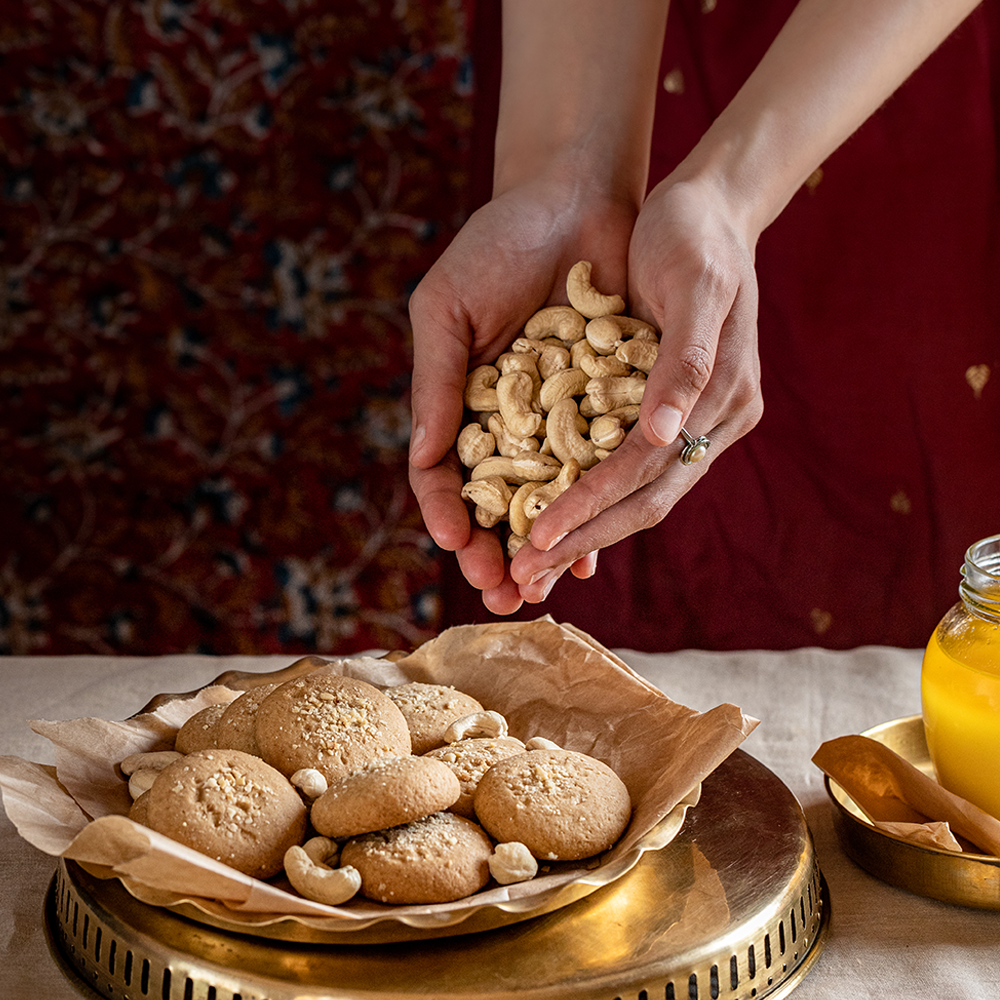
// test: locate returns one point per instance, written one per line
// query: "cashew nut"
(541, 743)
(480, 394)
(601, 365)
(486, 518)
(567, 441)
(580, 350)
(310, 782)
(527, 363)
(151, 760)
(607, 432)
(605, 333)
(141, 781)
(491, 493)
(496, 465)
(508, 444)
(544, 495)
(639, 354)
(478, 725)
(474, 444)
(534, 465)
(317, 881)
(520, 523)
(571, 382)
(563, 322)
(610, 392)
(512, 862)
(553, 359)
(524, 345)
(514, 545)
(514, 396)
(586, 299)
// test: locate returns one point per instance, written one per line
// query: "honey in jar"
(960, 684)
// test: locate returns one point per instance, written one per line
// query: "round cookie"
(332, 723)
(433, 860)
(237, 728)
(198, 733)
(429, 709)
(231, 806)
(387, 792)
(139, 810)
(562, 805)
(470, 760)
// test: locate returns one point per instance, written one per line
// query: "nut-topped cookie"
(433, 860)
(470, 760)
(561, 804)
(329, 722)
(237, 727)
(429, 709)
(229, 805)
(386, 792)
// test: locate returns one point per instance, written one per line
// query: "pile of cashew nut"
(560, 400)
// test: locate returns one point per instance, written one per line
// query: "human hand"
(509, 260)
(691, 274)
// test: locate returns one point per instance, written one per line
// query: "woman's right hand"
(509, 260)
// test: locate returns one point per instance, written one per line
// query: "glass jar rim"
(980, 586)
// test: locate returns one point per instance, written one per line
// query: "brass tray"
(965, 879)
(734, 907)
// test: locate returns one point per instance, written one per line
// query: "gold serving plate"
(734, 907)
(963, 878)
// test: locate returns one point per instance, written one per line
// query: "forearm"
(579, 83)
(831, 66)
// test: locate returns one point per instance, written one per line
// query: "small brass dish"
(964, 878)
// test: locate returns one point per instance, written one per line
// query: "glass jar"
(960, 684)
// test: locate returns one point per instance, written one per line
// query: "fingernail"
(555, 541)
(665, 423)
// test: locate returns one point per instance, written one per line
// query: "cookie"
(329, 722)
(139, 810)
(470, 760)
(237, 728)
(198, 733)
(231, 806)
(433, 860)
(387, 792)
(429, 709)
(561, 804)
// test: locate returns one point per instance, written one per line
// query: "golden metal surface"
(734, 907)
(964, 879)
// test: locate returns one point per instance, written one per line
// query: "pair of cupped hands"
(683, 263)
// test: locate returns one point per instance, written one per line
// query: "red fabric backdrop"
(842, 519)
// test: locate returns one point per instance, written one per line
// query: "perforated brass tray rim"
(657, 932)
(966, 879)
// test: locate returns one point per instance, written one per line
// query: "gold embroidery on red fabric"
(673, 82)
(821, 620)
(977, 376)
(900, 503)
(813, 180)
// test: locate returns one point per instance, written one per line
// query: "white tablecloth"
(883, 942)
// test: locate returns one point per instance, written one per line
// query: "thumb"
(684, 364)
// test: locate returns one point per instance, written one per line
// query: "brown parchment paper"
(903, 801)
(547, 679)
